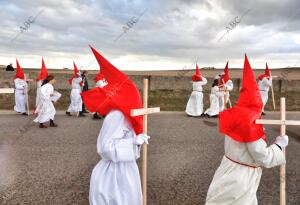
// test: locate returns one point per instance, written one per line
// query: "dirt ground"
(53, 165)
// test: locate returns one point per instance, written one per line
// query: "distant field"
(168, 100)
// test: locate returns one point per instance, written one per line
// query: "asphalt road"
(53, 165)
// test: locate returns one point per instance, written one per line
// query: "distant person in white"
(45, 108)
(76, 100)
(194, 106)
(20, 91)
(213, 110)
(116, 180)
(42, 76)
(100, 83)
(264, 84)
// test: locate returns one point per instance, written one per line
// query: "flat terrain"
(53, 166)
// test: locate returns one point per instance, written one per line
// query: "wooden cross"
(26, 91)
(282, 122)
(227, 91)
(145, 111)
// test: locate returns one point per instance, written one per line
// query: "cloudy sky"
(169, 34)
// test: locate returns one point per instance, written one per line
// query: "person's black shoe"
(263, 113)
(24, 113)
(96, 117)
(68, 113)
(81, 114)
(52, 124)
(42, 125)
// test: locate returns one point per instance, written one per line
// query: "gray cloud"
(173, 32)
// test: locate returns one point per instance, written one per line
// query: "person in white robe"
(20, 96)
(246, 152)
(264, 85)
(215, 94)
(194, 106)
(115, 179)
(45, 109)
(76, 101)
(237, 179)
(39, 80)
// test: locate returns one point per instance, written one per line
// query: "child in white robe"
(39, 81)
(100, 83)
(194, 106)
(21, 88)
(45, 109)
(76, 101)
(215, 94)
(237, 179)
(264, 84)
(115, 179)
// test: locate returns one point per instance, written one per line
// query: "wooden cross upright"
(282, 122)
(145, 111)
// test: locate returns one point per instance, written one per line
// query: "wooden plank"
(277, 122)
(283, 166)
(7, 90)
(144, 111)
(145, 127)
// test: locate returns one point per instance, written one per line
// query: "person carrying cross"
(116, 179)
(237, 179)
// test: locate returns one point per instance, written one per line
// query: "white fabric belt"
(197, 91)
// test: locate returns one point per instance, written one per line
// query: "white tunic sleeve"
(229, 85)
(203, 82)
(20, 84)
(267, 82)
(116, 141)
(266, 156)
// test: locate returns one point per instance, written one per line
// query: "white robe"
(228, 86)
(38, 90)
(235, 184)
(194, 106)
(115, 179)
(264, 87)
(20, 95)
(214, 101)
(101, 83)
(76, 100)
(45, 108)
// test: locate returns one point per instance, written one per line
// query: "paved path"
(53, 165)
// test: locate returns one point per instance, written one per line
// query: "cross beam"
(145, 112)
(6, 90)
(283, 123)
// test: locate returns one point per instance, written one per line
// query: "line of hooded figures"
(115, 180)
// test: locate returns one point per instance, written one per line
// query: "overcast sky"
(170, 34)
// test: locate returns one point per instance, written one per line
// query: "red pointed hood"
(267, 73)
(99, 76)
(19, 72)
(238, 122)
(197, 76)
(76, 73)
(225, 77)
(120, 94)
(44, 73)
